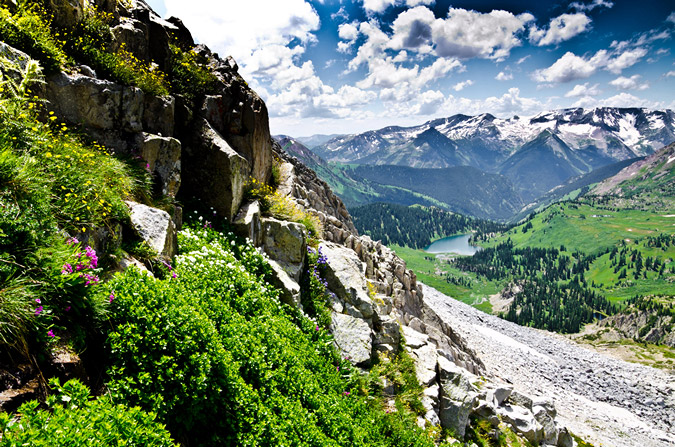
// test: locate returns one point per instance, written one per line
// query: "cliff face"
(208, 147)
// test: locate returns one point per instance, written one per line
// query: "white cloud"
(592, 5)
(624, 99)
(571, 67)
(586, 102)
(429, 103)
(508, 104)
(523, 59)
(580, 90)
(501, 76)
(626, 59)
(412, 29)
(632, 83)
(468, 34)
(670, 74)
(379, 6)
(348, 31)
(561, 28)
(568, 68)
(340, 14)
(462, 85)
(671, 17)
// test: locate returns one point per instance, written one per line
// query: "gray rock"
(352, 338)
(499, 394)
(457, 397)
(520, 400)
(163, 156)
(155, 227)
(387, 333)
(285, 242)
(565, 439)
(247, 222)
(66, 13)
(213, 171)
(289, 290)
(132, 35)
(425, 364)
(522, 421)
(413, 338)
(550, 431)
(345, 277)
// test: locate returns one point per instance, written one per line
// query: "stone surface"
(213, 171)
(499, 394)
(457, 397)
(547, 422)
(285, 242)
(345, 277)
(425, 364)
(352, 338)
(413, 338)
(522, 421)
(289, 289)
(163, 158)
(155, 227)
(247, 222)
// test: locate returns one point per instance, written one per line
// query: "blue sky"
(333, 66)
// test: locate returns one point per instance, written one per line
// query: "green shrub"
(89, 42)
(189, 74)
(73, 419)
(29, 31)
(213, 351)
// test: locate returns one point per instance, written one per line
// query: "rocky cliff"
(207, 148)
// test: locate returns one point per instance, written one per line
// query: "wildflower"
(111, 297)
(51, 333)
(174, 275)
(38, 300)
(38, 311)
(67, 309)
(346, 393)
(316, 328)
(66, 269)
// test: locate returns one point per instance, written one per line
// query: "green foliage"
(189, 74)
(29, 31)
(90, 41)
(219, 358)
(74, 419)
(50, 183)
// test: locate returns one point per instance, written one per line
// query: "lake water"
(453, 244)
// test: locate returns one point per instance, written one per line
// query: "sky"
(334, 66)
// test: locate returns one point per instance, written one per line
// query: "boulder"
(247, 222)
(132, 35)
(522, 421)
(285, 242)
(346, 279)
(565, 439)
(499, 394)
(457, 397)
(163, 158)
(155, 227)
(66, 13)
(214, 172)
(425, 364)
(387, 333)
(159, 115)
(289, 289)
(550, 431)
(414, 339)
(521, 400)
(352, 338)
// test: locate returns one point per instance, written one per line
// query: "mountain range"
(537, 153)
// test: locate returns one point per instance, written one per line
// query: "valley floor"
(607, 401)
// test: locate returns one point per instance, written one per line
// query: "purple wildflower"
(346, 393)
(174, 275)
(72, 241)
(111, 297)
(67, 309)
(38, 300)
(51, 333)
(66, 269)
(93, 259)
(316, 328)
(38, 311)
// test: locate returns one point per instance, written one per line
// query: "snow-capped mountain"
(536, 153)
(598, 136)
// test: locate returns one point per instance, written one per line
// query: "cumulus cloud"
(671, 17)
(379, 6)
(501, 76)
(670, 74)
(508, 104)
(632, 83)
(592, 5)
(467, 34)
(348, 31)
(561, 28)
(462, 85)
(571, 67)
(412, 29)
(568, 68)
(429, 103)
(243, 31)
(583, 90)
(624, 99)
(626, 59)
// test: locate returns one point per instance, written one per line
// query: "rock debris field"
(606, 401)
